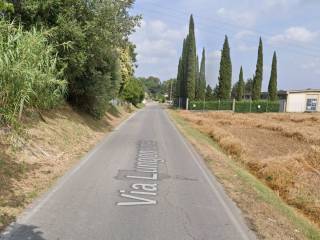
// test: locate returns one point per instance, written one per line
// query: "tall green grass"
(28, 74)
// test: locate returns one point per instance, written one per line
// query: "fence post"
(250, 104)
(219, 105)
(234, 105)
(204, 103)
(187, 104)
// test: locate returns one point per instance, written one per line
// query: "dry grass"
(281, 149)
(29, 165)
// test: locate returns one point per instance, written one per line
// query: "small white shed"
(303, 100)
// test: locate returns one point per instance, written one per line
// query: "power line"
(298, 49)
(212, 21)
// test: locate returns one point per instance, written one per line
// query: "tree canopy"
(91, 40)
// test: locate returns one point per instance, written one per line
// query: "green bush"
(133, 92)
(92, 40)
(28, 74)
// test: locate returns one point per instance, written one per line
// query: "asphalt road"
(143, 182)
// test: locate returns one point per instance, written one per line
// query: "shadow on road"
(27, 232)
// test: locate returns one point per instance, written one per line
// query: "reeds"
(28, 72)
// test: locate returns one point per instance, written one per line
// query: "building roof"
(304, 91)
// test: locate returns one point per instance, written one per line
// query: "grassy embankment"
(237, 149)
(31, 163)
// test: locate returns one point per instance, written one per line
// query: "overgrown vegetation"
(28, 73)
(86, 44)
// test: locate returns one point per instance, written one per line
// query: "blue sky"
(291, 27)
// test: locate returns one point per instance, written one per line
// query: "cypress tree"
(183, 81)
(202, 77)
(209, 93)
(179, 75)
(240, 86)
(272, 88)
(225, 72)
(215, 92)
(191, 62)
(197, 79)
(257, 81)
(234, 90)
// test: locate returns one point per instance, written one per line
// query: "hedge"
(240, 106)
(211, 105)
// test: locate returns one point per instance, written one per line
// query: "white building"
(303, 100)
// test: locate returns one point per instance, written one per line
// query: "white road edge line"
(42, 200)
(196, 159)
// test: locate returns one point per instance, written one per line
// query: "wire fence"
(236, 106)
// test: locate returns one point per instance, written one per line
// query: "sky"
(289, 27)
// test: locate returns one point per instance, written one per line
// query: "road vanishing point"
(144, 181)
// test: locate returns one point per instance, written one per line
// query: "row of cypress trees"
(191, 83)
(258, 78)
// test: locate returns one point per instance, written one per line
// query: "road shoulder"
(50, 149)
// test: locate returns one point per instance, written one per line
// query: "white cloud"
(242, 38)
(294, 34)
(156, 42)
(243, 47)
(243, 18)
(245, 34)
(214, 55)
(313, 65)
(281, 3)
